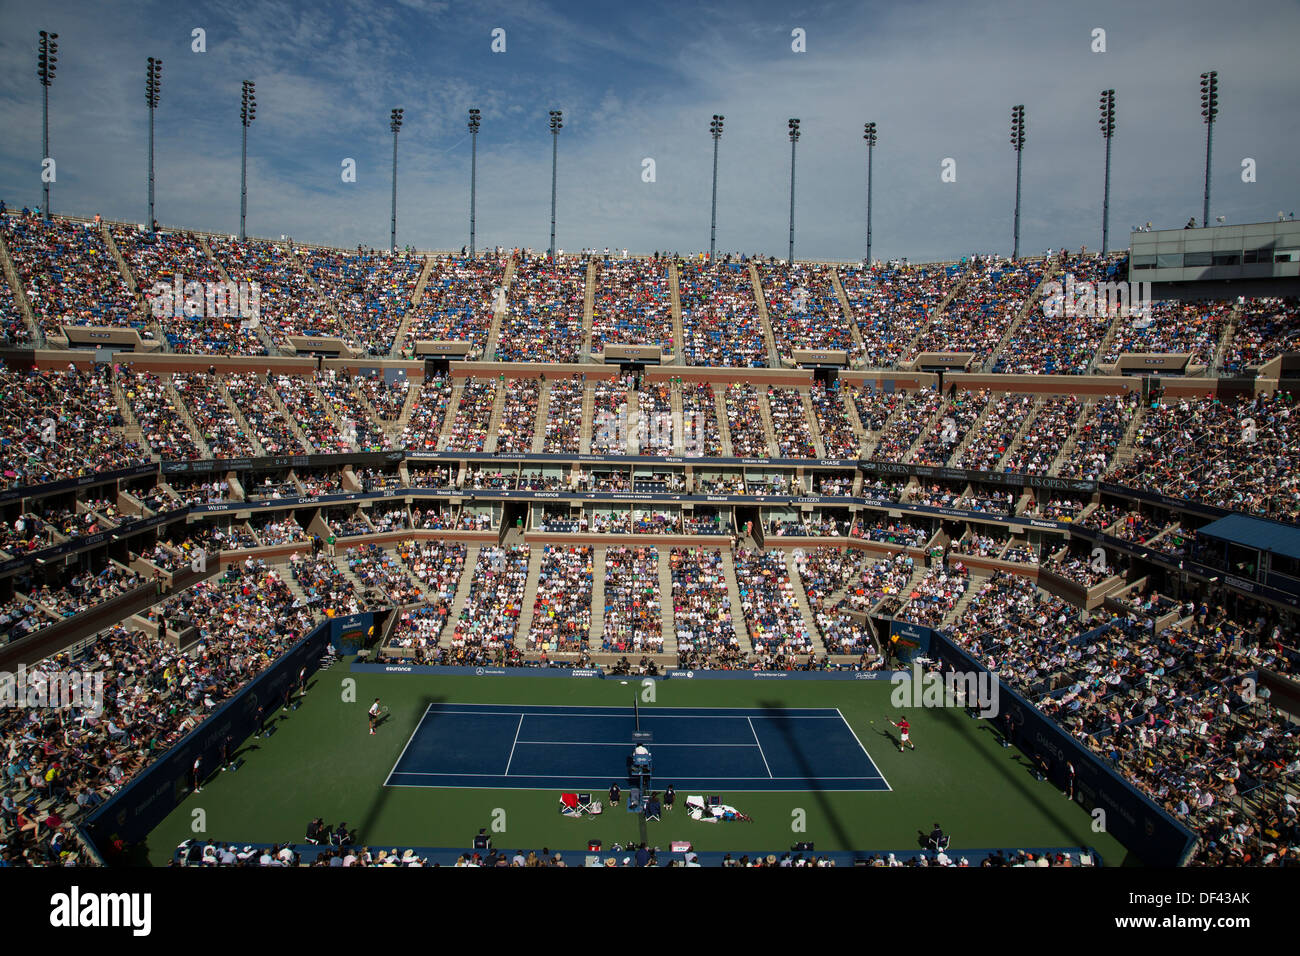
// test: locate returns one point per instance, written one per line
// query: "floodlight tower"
(473, 173)
(793, 125)
(247, 113)
(869, 134)
(557, 124)
(1209, 110)
(1107, 122)
(1018, 144)
(152, 87)
(715, 130)
(395, 124)
(46, 61)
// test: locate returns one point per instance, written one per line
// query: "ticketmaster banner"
(486, 670)
(1129, 815)
(140, 806)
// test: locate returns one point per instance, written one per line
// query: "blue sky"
(639, 81)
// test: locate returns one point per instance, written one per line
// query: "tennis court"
(516, 746)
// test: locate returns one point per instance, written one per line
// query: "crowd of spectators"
(632, 304)
(996, 434)
(543, 321)
(490, 617)
(992, 295)
(203, 396)
(63, 765)
(370, 292)
(609, 416)
(68, 274)
(428, 413)
(1265, 328)
(804, 310)
(1066, 341)
(1098, 436)
(1241, 453)
(910, 417)
(656, 431)
(936, 594)
(288, 302)
(564, 416)
(562, 608)
(839, 440)
(57, 425)
(720, 320)
(958, 416)
(469, 429)
(381, 575)
(767, 599)
(457, 302)
(518, 415)
(205, 325)
(789, 423)
(1044, 437)
(161, 426)
(1192, 328)
(632, 623)
(313, 418)
(702, 610)
(893, 304)
(745, 421)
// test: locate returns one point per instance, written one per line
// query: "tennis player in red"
(904, 728)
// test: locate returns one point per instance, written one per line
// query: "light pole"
(247, 113)
(715, 130)
(794, 138)
(395, 124)
(557, 124)
(869, 134)
(1108, 132)
(1018, 144)
(46, 61)
(152, 87)
(1209, 110)
(473, 173)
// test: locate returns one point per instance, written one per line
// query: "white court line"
(760, 748)
(616, 743)
(765, 715)
(588, 776)
(513, 745)
(414, 734)
(879, 772)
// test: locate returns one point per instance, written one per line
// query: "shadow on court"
(786, 728)
(376, 806)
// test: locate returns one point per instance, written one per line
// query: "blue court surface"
(516, 746)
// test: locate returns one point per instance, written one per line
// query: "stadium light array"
(793, 125)
(46, 62)
(1018, 144)
(1209, 111)
(1107, 122)
(247, 113)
